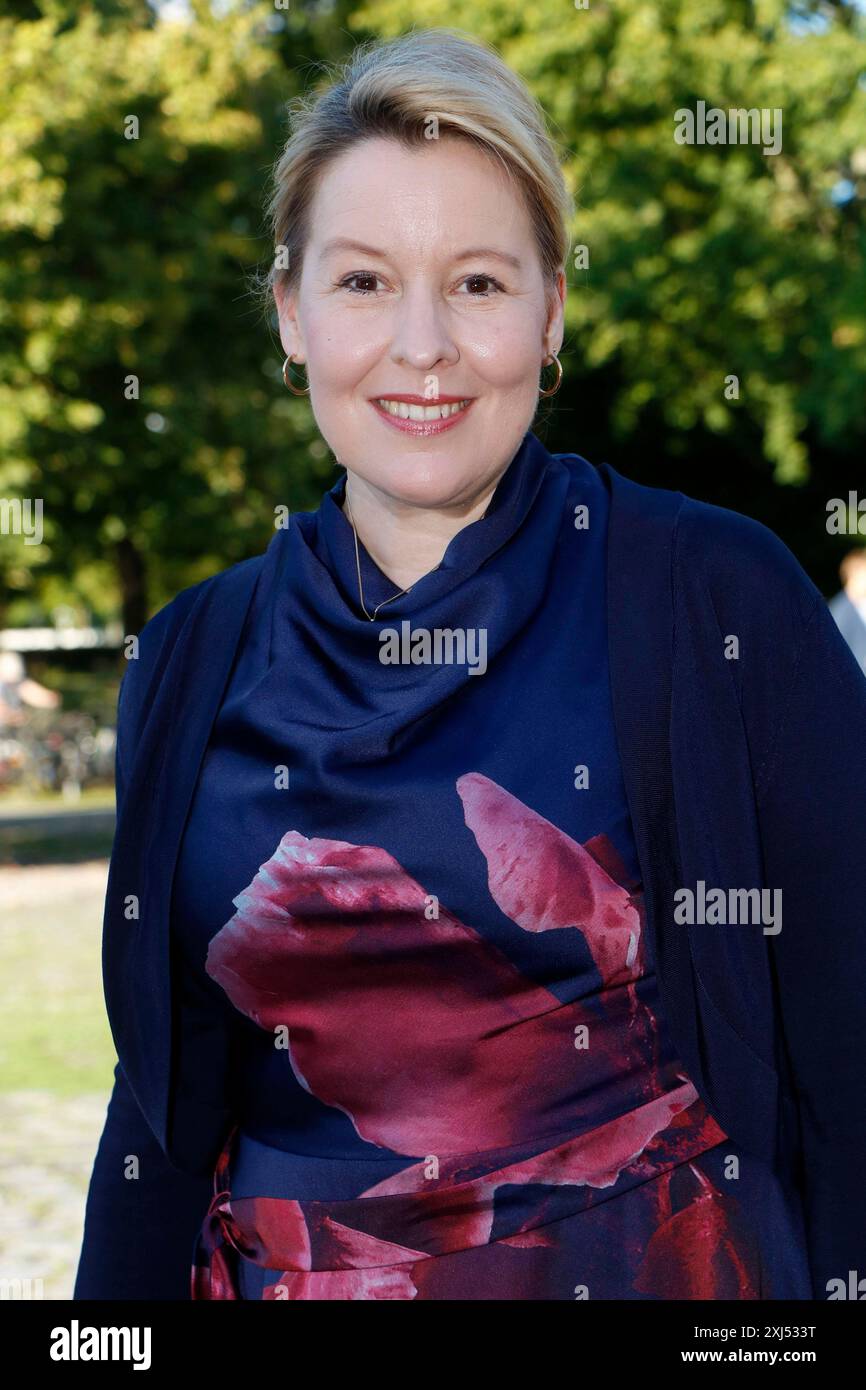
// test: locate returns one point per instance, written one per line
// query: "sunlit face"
(441, 295)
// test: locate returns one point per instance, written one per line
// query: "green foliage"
(704, 261)
(135, 157)
(126, 257)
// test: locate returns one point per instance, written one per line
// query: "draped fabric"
(603, 1212)
(409, 878)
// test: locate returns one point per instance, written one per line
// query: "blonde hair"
(396, 89)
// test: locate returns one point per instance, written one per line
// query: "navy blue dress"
(421, 910)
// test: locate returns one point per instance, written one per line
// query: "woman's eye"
(487, 279)
(358, 275)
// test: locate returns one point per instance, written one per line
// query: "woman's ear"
(290, 333)
(555, 326)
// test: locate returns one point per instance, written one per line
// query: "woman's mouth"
(421, 418)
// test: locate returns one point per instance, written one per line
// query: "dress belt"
(412, 1216)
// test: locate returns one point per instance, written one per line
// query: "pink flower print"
(545, 881)
(420, 1030)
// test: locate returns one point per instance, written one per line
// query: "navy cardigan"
(742, 773)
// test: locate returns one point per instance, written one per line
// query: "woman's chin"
(436, 489)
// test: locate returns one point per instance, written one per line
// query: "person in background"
(849, 605)
(18, 690)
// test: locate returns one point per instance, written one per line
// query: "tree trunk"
(133, 585)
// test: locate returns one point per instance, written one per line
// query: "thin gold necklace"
(372, 615)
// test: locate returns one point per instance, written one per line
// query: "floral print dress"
(454, 1076)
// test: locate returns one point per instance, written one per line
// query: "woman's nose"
(421, 335)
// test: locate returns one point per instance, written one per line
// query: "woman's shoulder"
(150, 652)
(168, 619)
(751, 574)
(741, 561)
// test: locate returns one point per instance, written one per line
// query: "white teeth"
(421, 412)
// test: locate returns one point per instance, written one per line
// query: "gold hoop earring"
(553, 389)
(287, 379)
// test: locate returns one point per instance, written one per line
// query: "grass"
(21, 803)
(54, 1035)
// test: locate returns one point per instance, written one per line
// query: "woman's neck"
(406, 542)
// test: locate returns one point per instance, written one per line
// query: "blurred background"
(716, 343)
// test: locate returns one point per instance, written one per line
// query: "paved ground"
(55, 1066)
(46, 1153)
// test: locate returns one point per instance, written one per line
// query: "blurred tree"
(124, 247)
(140, 392)
(704, 261)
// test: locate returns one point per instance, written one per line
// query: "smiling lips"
(420, 415)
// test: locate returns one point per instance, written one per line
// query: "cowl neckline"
(332, 540)
(308, 634)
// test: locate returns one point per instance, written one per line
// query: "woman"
(483, 919)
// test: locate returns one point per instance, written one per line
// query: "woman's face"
(441, 295)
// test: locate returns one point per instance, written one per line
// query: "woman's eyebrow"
(347, 244)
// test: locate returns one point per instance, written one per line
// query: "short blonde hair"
(394, 89)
